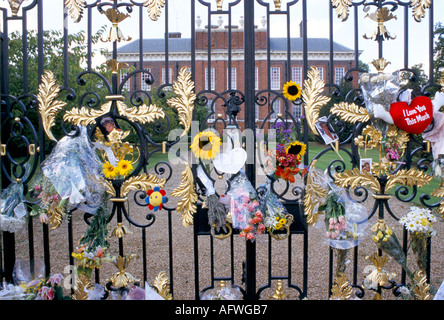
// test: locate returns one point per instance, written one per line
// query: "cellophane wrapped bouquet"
(274, 211)
(386, 240)
(245, 209)
(13, 212)
(71, 178)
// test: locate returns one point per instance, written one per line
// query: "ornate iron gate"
(231, 100)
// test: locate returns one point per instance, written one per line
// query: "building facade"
(219, 57)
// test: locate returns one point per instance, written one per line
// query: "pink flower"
(261, 227)
(248, 228)
(46, 293)
(250, 235)
(37, 187)
(56, 279)
(259, 214)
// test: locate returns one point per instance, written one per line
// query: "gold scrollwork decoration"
(219, 4)
(143, 182)
(183, 87)
(154, 8)
(142, 114)
(222, 236)
(55, 217)
(411, 177)
(75, 9)
(350, 112)
(342, 8)
(421, 289)
(162, 286)
(439, 193)
(313, 193)
(355, 177)
(419, 7)
(85, 116)
(313, 98)
(341, 290)
(49, 105)
(186, 190)
(115, 17)
(83, 282)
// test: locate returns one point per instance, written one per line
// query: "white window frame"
(297, 111)
(339, 74)
(213, 79)
(143, 76)
(212, 118)
(321, 72)
(296, 75)
(275, 78)
(170, 75)
(256, 78)
(233, 79)
(127, 85)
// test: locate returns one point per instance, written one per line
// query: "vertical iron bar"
(250, 125)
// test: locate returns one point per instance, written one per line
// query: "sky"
(318, 25)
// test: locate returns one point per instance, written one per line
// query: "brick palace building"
(180, 56)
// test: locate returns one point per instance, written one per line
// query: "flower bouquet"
(13, 211)
(419, 224)
(71, 178)
(386, 240)
(92, 251)
(246, 214)
(276, 215)
(34, 286)
(284, 161)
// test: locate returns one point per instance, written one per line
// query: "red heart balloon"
(413, 118)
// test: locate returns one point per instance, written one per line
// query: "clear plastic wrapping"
(274, 211)
(71, 176)
(13, 213)
(246, 214)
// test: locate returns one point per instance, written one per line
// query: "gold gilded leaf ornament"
(49, 106)
(313, 98)
(341, 289)
(143, 182)
(154, 8)
(420, 288)
(162, 286)
(354, 178)
(122, 278)
(85, 116)
(350, 112)
(342, 8)
(142, 114)
(411, 177)
(75, 9)
(187, 205)
(183, 87)
(313, 193)
(419, 7)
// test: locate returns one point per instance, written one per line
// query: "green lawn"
(331, 155)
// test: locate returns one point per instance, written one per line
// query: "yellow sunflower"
(109, 170)
(297, 148)
(292, 90)
(124, 167)
(206, 145)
